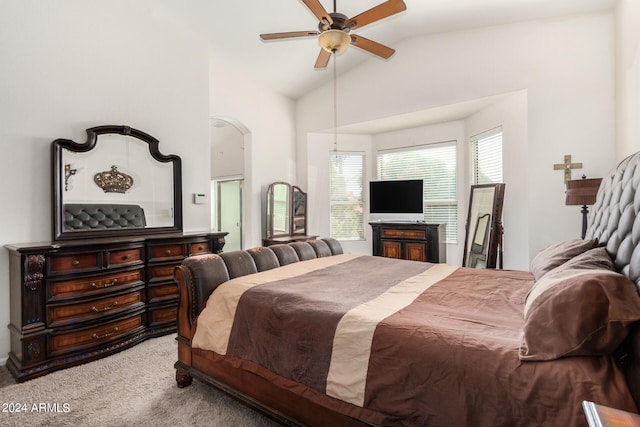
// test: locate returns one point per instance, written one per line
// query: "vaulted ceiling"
(233, 28)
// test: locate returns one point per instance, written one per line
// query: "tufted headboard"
(102, 216)
(200, 275)
(614, 221)
(614, 217)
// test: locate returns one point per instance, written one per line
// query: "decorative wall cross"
(566, 167)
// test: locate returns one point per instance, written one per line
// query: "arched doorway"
(227, 180)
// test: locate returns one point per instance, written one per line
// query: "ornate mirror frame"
(61, 173)
(290, 218)
(483, 237)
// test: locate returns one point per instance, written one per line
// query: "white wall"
(511, 114)
(227, 150)
(69, 65)
(269, 145)
(627, 78)
(566, 67)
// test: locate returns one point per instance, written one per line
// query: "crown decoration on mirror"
(113, 181)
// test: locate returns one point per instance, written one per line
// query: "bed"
(312, 336)
(97, 216)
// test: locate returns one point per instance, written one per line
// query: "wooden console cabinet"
(415, 241)
(76, 301)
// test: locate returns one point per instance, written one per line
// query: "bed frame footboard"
(185, 324)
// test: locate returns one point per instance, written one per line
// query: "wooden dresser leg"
(183, 378)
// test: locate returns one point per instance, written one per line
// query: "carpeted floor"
(135, 387)
(5, 377)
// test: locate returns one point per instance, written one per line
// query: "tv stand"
(411, 240)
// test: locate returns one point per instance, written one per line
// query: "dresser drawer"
(124, 257)
(82, 339)
(161, 272)
(59, 315)
(59, 264)
(167, 252)
(162, 292)
(87, 286)
(404, 234)
(200, 248)
(163, 315)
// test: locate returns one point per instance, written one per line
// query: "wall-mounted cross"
(566, 167)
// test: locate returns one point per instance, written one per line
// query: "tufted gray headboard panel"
(101, 216)
(613, 219)
(200, 275)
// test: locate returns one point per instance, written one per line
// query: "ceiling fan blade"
(290, 34)
(318, 10)
(381, 11)
(371, 46)
(323, 59)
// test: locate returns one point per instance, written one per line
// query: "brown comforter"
(401, 343)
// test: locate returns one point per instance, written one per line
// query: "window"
(486, 156)
(345, 196)
(435, 164)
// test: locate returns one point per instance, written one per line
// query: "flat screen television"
(397, 200)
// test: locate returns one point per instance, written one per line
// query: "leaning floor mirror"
(483, 238)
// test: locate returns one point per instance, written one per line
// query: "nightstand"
(603, 416)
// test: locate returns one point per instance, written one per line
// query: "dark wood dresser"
(415, 241)
(79, 300)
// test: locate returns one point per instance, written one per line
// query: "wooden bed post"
(185, 324)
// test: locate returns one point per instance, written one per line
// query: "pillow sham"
(578, 312)
(593, 259)
(559, 253)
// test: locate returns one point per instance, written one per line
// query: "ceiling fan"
(334, 29)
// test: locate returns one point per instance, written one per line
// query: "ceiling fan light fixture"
(334, 41)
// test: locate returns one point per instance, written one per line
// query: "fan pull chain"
(335, 104)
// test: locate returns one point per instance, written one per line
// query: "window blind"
(346, 181)
(435, 164)
(486, 153)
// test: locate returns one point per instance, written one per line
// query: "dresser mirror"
(278, 209)
(298, 211)
(483, 239)
(286, 212)
(116, 183)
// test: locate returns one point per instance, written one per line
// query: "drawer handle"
(104, 285)
(126, 257)
(167, 252)
(75, 263)
(107, 308)
(200, 248)
(108, 334)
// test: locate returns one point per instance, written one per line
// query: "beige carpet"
(135, 387)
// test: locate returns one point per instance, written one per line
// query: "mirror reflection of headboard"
(116, 183)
